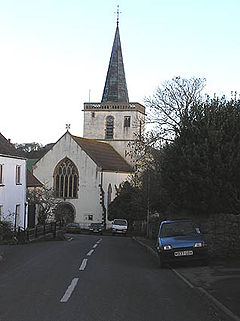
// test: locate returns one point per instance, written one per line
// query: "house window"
(127, 121)
(93, 114)
(66, 179)
(18, 174)
(1, 174)
(17, 216)
(109, 127)
(90, 217)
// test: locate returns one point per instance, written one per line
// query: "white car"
(119, 226)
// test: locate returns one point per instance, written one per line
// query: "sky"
(54, 56)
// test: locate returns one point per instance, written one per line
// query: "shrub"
(6, 230)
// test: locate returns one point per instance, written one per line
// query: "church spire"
(115, 89)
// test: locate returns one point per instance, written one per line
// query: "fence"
(38, 231)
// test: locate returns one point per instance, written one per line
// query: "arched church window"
(66, 179)
(109, 126)
(109, 198)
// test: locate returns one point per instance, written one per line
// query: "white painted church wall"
(115, 179)
(12, 194)
(88, 201)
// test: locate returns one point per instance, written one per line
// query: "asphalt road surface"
(93, 278)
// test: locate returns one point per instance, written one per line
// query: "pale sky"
(52, 52)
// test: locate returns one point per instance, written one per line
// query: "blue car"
(180, 240)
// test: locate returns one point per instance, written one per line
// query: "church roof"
(115, 89)
(8, 149)
(104, 155)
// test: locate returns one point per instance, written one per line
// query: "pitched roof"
(104, 155)
(32, 180)
(115, 89)
(6, 148)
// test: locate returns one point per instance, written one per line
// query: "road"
(93, 278)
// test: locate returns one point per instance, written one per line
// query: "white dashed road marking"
(69, 290)
(83, 265)
(90, 252)
(99, 241)
(95, 245)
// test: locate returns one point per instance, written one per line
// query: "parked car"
(119, 226)
(96, 228)
(73, 228)
(180, 240)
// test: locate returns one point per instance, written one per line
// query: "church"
(86, 172)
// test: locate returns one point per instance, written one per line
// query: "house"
(33, 186)
(13, 205)
(86, 172)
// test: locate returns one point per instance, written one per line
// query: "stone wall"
(221, 231)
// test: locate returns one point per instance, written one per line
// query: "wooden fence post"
(54, 230)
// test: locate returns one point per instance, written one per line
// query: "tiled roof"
(32, 180)
(104, 155)
(6, 148)
(115, 89)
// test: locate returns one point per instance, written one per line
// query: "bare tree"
(46, 199)
(168, 105)
(170, 102)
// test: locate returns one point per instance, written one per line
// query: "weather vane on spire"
(118, 14)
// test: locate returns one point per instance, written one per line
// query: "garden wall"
(221, 231)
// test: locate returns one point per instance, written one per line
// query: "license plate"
(183, 253)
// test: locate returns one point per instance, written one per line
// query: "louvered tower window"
(109, 126)
(66, 179)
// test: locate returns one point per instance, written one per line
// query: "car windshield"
(120, 222)
(177, 229)
(96, 225)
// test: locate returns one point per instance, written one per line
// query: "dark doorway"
(31, 215)
(65, 213)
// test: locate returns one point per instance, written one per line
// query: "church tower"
(115, 120)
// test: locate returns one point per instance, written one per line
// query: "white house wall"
(12, 194)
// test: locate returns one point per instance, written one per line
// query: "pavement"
(219, 282)
(3, 248)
